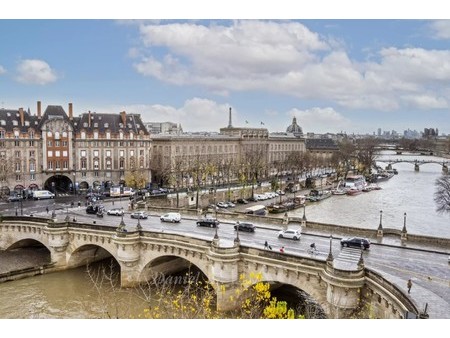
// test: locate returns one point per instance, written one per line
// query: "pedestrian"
(266, 245)
(409, 285)
(282, 249)
(46, 208)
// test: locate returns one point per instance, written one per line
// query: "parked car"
(173, 217)
(290, 233)
(230, 204)
(245, 226)
(208, 222)
(139, 214)
(14, 198)
(116, 212)
(222, 205)
(242, 201)
(355, 242)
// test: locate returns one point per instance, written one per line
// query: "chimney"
(22, 117)
(89, 119)
(230, 125)
(123, 116)
(39, 109)
(70, 112)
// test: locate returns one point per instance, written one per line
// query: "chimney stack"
(89, 119)
(39, 109)
(22, 117)
(123, 116)
(70, 112)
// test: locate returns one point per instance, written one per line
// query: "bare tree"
(442, 194)
(366, 154)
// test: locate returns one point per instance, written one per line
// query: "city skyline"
(351, 76)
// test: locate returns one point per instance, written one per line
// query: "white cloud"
(288, 58)
(2, 70)
(34, 71)
(196, 114)
(441, 29)
(320, 120)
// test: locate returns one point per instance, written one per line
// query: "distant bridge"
(415, 162)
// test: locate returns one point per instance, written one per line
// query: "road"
(427, 267)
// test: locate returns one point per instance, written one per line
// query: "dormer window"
(106, 125)
(85, 124)
(27, 123)
(95, 125)
(3, 122)
(120, 125)
(15, 123)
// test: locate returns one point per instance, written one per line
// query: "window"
(50, 153)
(32, 177)
(50, 165)
(121, 153)
(65, 153)
(17, 166)
(95, 153)
(83, 135)
(108, 153)
(57, 135)
(121, 143)
(56, 143)
(50, 143)
(64, 143)
(17, 154)
(17, 143)
(96, 164)
(83, 163)
(2, 134)
(31, 143)
(32, 166)
(108, 134)
(18, 177)
(64, 134)
(66, 165)
(83, 174)
(83, 153)
(95, 134)
(57, 153)
(131, 152)
(96, 173)
(49, 134)
(121, 163)
(58, 165)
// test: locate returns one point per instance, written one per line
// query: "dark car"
(355, 242)
(208, 222)
(93, 209)
(14, 198)
(249, 227)
(242, 201)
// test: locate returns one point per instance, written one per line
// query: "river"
(408, 192)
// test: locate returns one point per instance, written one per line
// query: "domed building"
(294, 128)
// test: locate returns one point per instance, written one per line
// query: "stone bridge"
(339, 287)
(416, 163)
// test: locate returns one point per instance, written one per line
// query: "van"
(42, 194)
(258, 209)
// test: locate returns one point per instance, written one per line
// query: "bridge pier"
(445, 168)
(128, 255)
(224, 269)
(389, 166)
(416, 166)
(58, 240)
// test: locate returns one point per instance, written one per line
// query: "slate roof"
(10, 115)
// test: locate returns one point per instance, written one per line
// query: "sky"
(334, 74)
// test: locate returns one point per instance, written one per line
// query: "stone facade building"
(60, 152)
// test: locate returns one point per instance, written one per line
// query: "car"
(244, 226)
(208, 222)
(115, 212)
(242, 201)
(139, 214)
(173, 217)
(290, 233)
(222, 205)
(14, 198)
(93, 209)
(230, 204)
(355, 242)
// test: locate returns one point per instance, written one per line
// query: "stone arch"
(87, 253)
(165, 259)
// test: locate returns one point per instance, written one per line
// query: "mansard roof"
(112, 122)
(10, 119)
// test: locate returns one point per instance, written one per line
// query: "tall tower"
(230, 125)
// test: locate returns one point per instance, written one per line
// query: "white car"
(290, 233)
(116, 212)
(173, 217)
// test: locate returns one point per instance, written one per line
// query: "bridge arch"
(87, 253)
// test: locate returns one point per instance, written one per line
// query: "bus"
(118, 191)
(258, 209)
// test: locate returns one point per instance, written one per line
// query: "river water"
(70, 294)
(408, 192)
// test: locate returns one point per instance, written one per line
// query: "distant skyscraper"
(379, 131)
